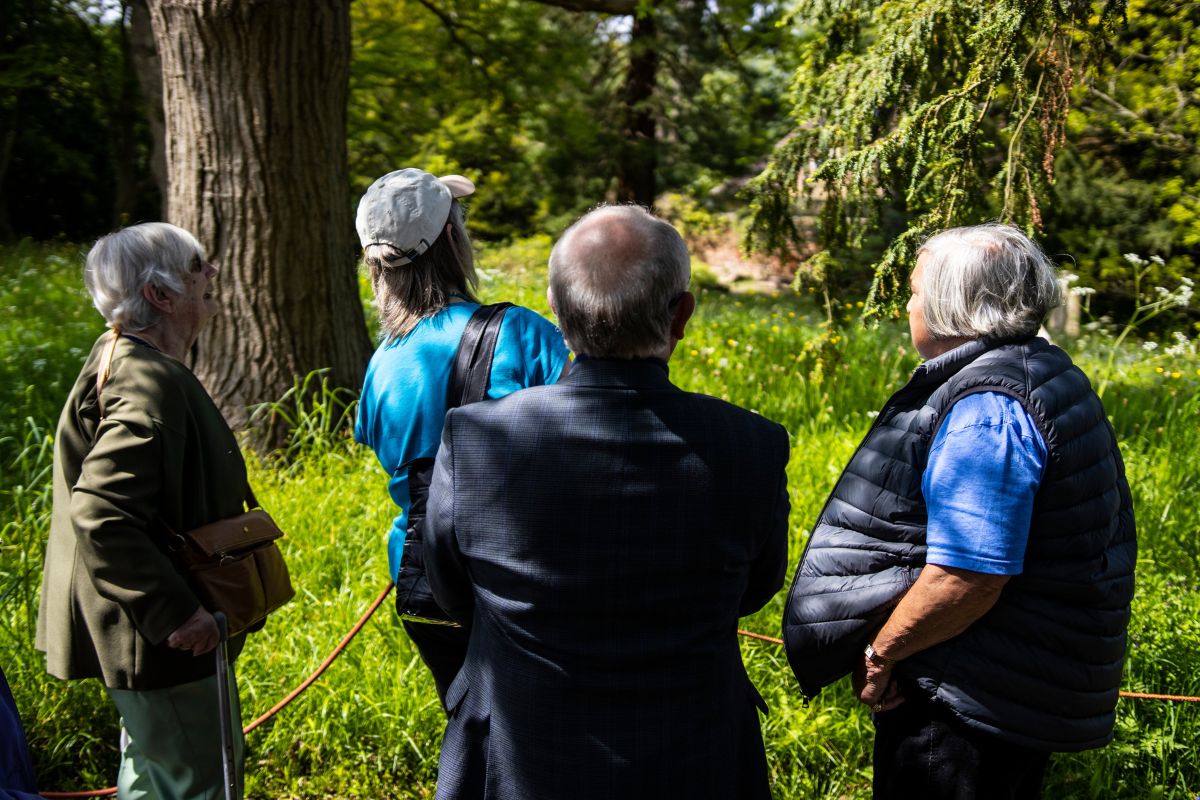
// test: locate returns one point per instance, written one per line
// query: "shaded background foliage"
(863, 125)
(74, 137)
(527, 98)
(864, 111)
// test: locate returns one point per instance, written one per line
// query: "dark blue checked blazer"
(601, 537)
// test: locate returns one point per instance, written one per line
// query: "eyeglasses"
(200, 265)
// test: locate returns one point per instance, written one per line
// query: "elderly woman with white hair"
(974, 565)
(412, 227)
(141, 452)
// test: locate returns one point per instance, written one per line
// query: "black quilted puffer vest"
(1043, 667)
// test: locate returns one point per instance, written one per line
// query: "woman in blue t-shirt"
(415, 245)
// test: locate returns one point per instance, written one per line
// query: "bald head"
(615, 278)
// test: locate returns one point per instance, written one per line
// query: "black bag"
(469, 380)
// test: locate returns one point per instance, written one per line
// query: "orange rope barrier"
(1146, 696)
(337, 651)
(1127, 695)
(275, 709)
(358, 626)
(760, 637)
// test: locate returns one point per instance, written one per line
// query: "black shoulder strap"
(473, 362)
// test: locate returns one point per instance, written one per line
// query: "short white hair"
(614, 277)
(121, 264)
(987, 281)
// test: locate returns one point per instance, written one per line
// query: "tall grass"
(371, 727)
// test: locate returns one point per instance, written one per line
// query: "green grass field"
(371, 726)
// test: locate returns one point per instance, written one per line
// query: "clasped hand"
(875, 686)
(198, 635)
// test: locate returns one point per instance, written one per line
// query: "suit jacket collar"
(619, 373)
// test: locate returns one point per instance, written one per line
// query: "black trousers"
(443, 648)
(922, 751)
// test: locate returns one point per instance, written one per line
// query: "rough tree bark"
(254, 95)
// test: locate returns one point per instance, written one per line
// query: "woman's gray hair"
(122, 264)
(615, 276)
(987, 281)
(407, 293)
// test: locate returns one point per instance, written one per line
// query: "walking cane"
(227, 757)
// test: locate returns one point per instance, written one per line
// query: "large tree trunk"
(639, 157)
(254, 94)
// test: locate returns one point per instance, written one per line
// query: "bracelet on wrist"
(878, 660)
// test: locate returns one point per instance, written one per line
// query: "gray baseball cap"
(408, 209)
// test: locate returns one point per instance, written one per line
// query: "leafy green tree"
(556, 105)
(910, 117)
(507, 91)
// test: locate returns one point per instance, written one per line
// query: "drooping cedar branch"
(916, 116)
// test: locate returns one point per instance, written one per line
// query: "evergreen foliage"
(909, 117)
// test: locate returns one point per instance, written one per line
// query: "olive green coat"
(159, 456)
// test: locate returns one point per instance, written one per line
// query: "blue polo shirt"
(985, 466)
(403, 401)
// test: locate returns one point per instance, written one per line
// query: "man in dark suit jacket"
(600, 537)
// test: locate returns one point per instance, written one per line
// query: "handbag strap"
(472, 370)
(105, 367)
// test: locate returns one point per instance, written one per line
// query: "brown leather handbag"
(236, 567)
(234, 564)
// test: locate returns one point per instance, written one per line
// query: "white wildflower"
(1184, 295)
(1135, 259)
(1149, 347)
(1082, 291)
(1182, 347)
(1157, 260)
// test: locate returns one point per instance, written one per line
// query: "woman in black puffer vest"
(974, 564)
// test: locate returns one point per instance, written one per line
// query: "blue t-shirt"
(403, 401)
(985, 466)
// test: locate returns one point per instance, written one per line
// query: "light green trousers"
(172, 738)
